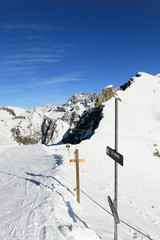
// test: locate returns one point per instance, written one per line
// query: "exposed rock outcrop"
(26, 140)
(126, 85)
(48, 127)
(107, 93)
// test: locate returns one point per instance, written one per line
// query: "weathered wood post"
(77, 160)
(77, 175)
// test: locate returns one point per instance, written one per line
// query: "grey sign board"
(114, 155)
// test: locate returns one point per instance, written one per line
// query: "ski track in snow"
(34, 194)
(44, 205)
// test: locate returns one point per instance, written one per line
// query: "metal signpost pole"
(116, 168)
(118, 158)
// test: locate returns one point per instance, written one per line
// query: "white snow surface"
(37, 182)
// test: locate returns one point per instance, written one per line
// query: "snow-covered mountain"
(39, 180)
(45, 124)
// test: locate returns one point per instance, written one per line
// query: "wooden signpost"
(114, 211)
(77, 160)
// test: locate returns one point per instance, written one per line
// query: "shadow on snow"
(71, 213)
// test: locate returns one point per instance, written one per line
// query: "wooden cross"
(77, 160)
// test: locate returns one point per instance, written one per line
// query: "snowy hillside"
(37, 182)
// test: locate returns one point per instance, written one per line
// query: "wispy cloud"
(33, 84)
(31, 60)
(54, 80)
(31, 57)
(8, 72)
(34, 55)
(10, 89)
(51, 49)
(23, 26)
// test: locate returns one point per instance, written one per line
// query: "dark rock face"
(126, 85)
(48, 127)
(85, 127)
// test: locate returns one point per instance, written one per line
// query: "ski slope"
(37, 182)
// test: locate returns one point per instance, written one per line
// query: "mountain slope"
(39, 181)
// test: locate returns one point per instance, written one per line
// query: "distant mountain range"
(45, 124)
(72, 122)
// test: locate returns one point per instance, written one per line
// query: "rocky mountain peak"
(85, 99)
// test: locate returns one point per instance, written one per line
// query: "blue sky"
(52, 49)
